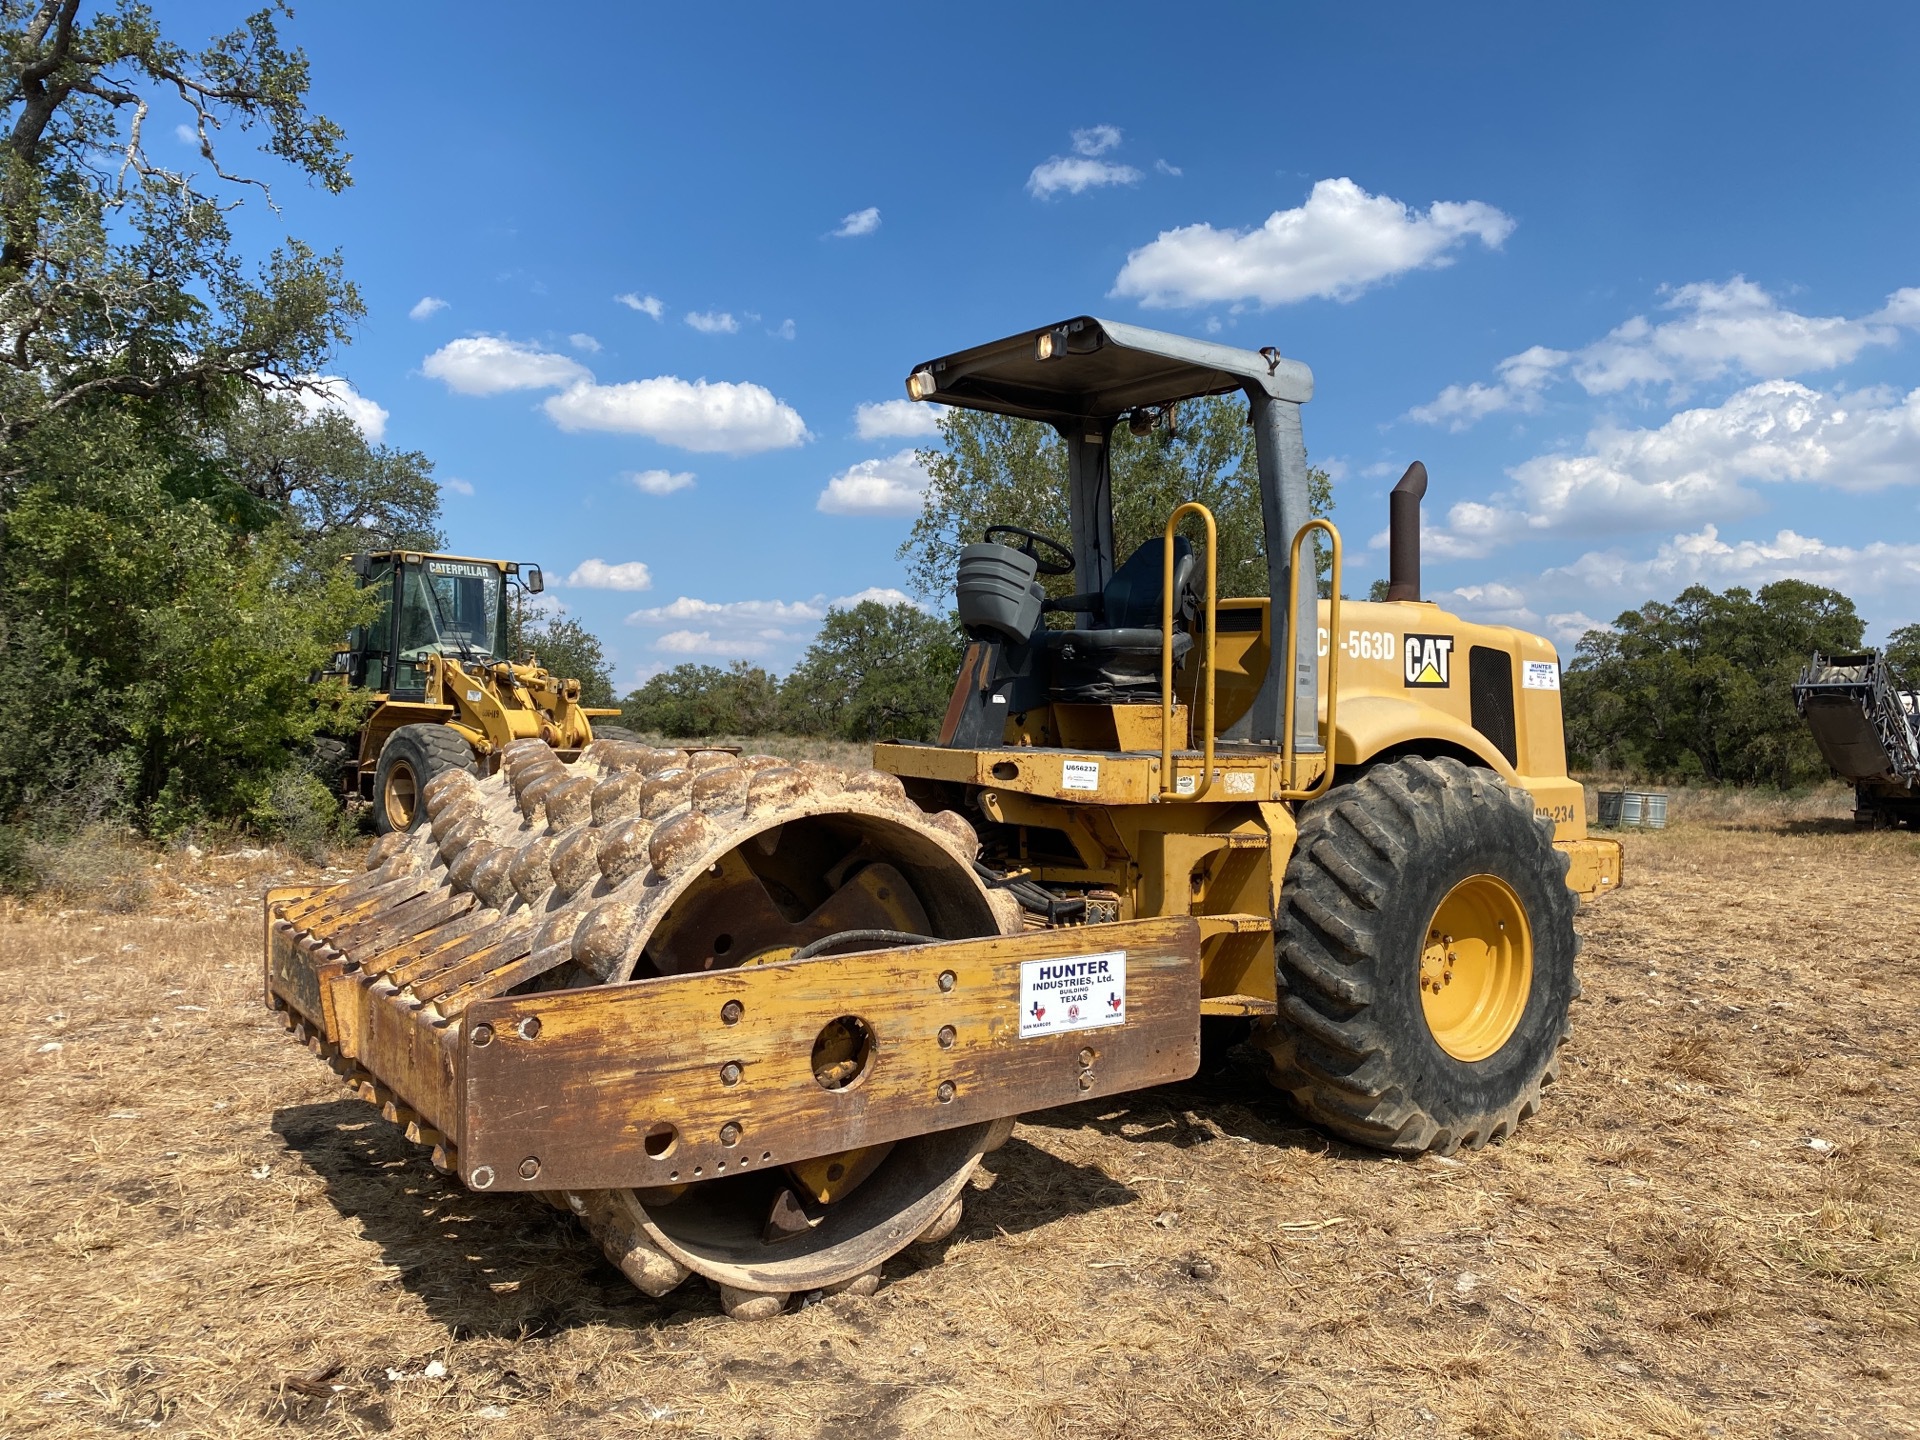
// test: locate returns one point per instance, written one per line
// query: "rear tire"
(1421, 876)
(332, 761)
(412, 757)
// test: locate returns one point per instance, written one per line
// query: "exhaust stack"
(1403, 519)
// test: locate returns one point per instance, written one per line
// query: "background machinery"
(1868, 729)
(448, 695)
(758, 1020)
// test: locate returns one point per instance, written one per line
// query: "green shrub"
(298, 809)
(103, 867)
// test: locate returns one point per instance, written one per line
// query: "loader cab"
(431, 605)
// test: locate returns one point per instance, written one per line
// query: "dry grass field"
(1710, 1230)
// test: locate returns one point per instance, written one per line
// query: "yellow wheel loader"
(449, 697)
(758, 1020)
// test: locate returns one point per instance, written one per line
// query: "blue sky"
(1632, 280)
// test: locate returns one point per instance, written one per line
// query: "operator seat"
(1119, 662)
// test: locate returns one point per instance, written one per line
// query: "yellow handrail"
(1321, 786)
(1169, 788)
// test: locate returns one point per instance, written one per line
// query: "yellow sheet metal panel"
(1597, 865)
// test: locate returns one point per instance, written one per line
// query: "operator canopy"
(1087, 368)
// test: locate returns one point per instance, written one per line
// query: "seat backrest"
(1132, 597)
(996, 593)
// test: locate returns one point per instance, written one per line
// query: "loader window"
(447, 607)
(379, 643)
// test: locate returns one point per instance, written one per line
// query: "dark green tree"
(875, 672)
(704, 700)
(318, 475)
(118, 274)
(168, 516)
(1701, 687)
(564, 646)
(1902, 652)
(993, 470)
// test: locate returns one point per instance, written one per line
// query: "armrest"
(1086, 604)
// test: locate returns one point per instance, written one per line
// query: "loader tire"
(413, 757)
(1425, 947)
(332, 760)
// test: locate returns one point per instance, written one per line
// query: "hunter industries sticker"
(1075, 992)
(1080, 775)
(1540, 675)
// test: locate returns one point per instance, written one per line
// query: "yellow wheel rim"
(1477, 968)
(403, 793)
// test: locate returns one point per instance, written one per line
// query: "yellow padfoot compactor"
(758, 1020)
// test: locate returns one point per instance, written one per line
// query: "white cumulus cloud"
(1702, 557)
(1735, 329)
(1083, 169)
(713, 322)
(887, 419)
(660, 482)
(757, 613)
(584, 342)
(456, 485)
(881, 594)
(597, 574)
(648, 305)
(1700, 464)
(491, 365)
(772, 630)
(1338, 244)
(733, 629)
(1096, 139)
(704, 642)
(330, 392)
(1522, 379)
(890, 486)
(426, 306)
(860, 222)
(701, 415)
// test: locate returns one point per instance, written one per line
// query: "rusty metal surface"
(545, 877)
(578, 1089)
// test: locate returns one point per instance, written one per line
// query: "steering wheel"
(1063, 565)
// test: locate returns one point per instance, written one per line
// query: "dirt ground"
(1710, 1230)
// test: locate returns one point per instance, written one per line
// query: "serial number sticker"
(473, 696)
(1540, 675)
(1080, 775)
(1075, 992)
(1362, 644)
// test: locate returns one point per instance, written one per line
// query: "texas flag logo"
(1114, 1002)
(1039, 1012)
